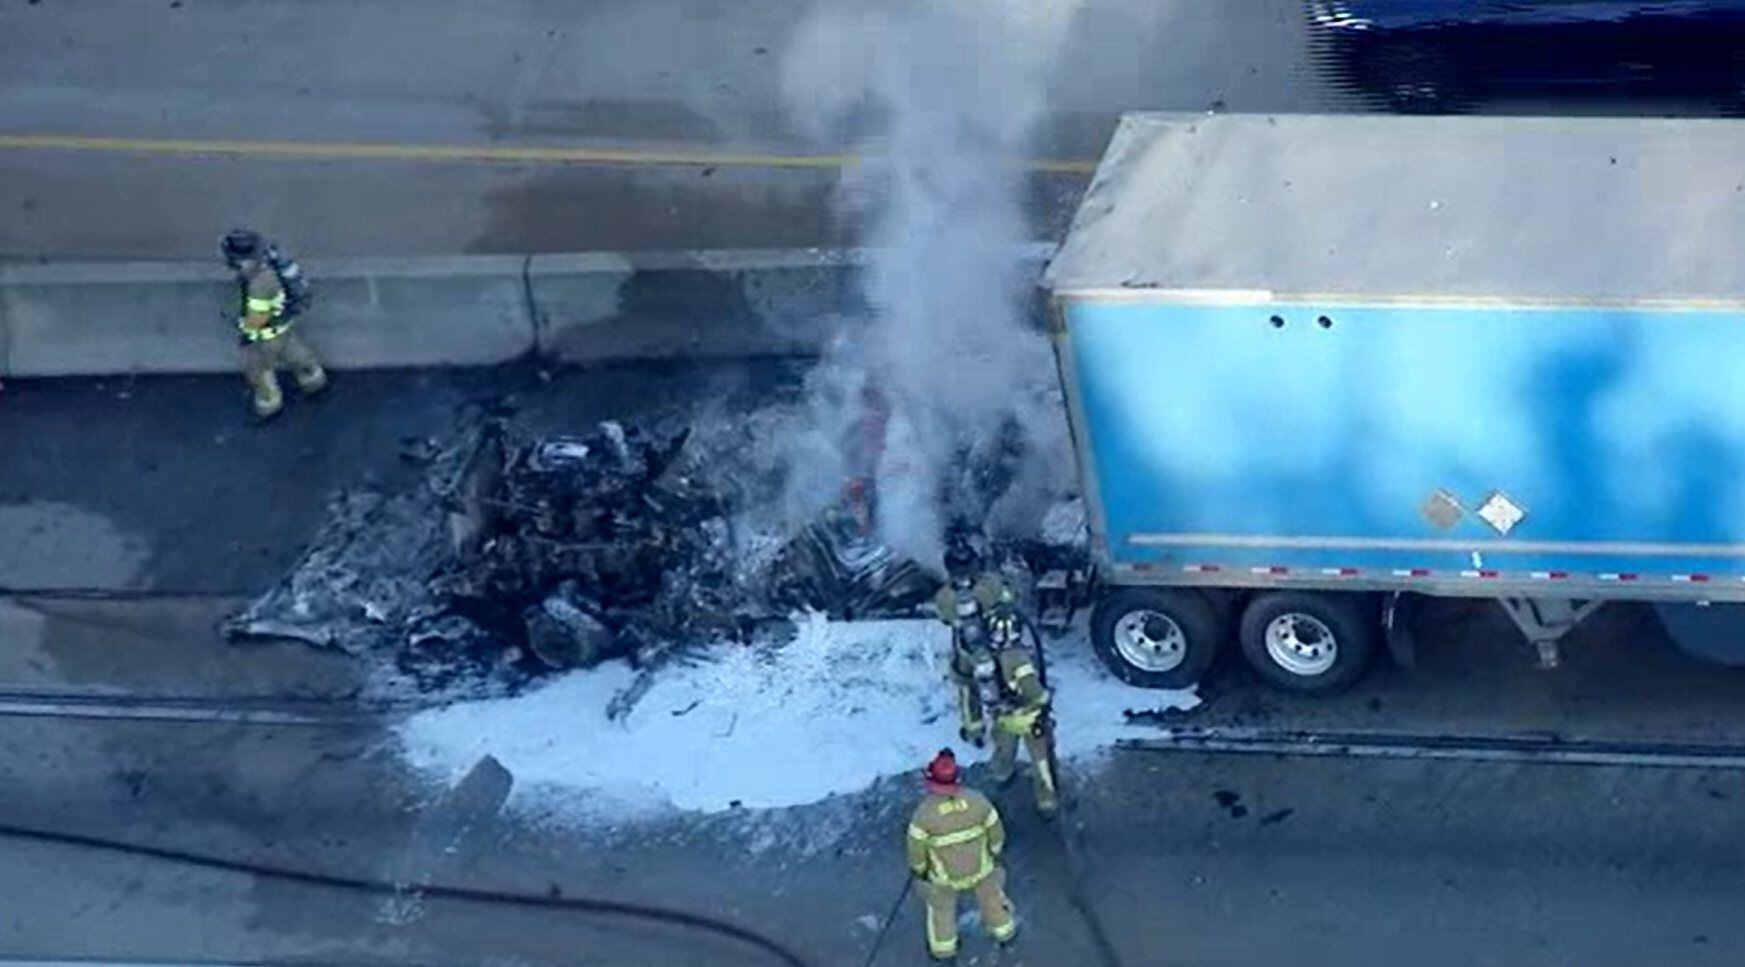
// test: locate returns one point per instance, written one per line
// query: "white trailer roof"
(1373, 205)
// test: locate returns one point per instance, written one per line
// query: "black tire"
(1196, 639)
(1350, 619)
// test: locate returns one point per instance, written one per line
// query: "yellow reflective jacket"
(1023, 699)
(263, 308)
(989, 591)
(954, 840)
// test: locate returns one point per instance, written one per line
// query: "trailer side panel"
(1401, 441)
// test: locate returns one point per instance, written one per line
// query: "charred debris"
(519, 554)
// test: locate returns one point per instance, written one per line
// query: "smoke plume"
(940, 99)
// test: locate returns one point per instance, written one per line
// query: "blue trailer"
(1317, 365)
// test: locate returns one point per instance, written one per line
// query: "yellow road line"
(384, 151)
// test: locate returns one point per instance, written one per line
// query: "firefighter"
(963, 604)
(954, 844)
(272, 293)
(1021, 705)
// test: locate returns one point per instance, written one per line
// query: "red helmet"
(942, 771)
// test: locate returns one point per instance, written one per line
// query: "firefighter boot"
(1047, 799)
(268, 398)
(305, 366)
(1040, 745)
(311, 381)
(998, 917)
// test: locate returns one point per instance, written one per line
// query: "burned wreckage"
(518, 554)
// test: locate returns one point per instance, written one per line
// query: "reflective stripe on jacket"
(263, 308)
(1023, 699)
(988, 591)
(953, 840)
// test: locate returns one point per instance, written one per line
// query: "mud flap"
(1396, 622)
(1712, 633)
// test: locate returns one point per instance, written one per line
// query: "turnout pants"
(1004, 762)
(941, 902)
(261, 362)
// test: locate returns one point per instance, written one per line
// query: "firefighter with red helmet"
(954, 843)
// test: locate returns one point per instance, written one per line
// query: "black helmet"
(240, 245)
(960, 559)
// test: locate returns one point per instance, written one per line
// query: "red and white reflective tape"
(1478, 574)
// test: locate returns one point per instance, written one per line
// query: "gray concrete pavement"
(640, 76)
(508, 72)
(1185, 860)
(62, 204)
(659, 72)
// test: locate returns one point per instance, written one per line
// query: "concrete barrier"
(75, 319)
(95, 319)
(606, 307)
(98, 319)
(452, 311)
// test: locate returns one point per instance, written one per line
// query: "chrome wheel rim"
(1301, 644)
(1150, 641)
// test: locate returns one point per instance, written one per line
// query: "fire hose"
(1070, 847)
(371, 887)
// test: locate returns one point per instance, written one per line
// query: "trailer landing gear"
(1544, 622)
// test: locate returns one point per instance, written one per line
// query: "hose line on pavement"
(356, 884)
(1071, 844)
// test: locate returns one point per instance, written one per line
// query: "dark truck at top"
(1443, 56)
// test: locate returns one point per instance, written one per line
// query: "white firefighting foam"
(836, 709)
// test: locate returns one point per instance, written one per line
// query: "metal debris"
(519, 554)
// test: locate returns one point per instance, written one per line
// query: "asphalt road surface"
(140, 129)
(1180, 858)
(189, 99)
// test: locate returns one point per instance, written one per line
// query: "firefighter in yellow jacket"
(1021, 706)
(954, 844)
(964, 604)
(273, 293)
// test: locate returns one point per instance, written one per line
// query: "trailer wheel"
(1319, 643)
(1156, 637)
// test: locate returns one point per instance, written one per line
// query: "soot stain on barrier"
(676, 311)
